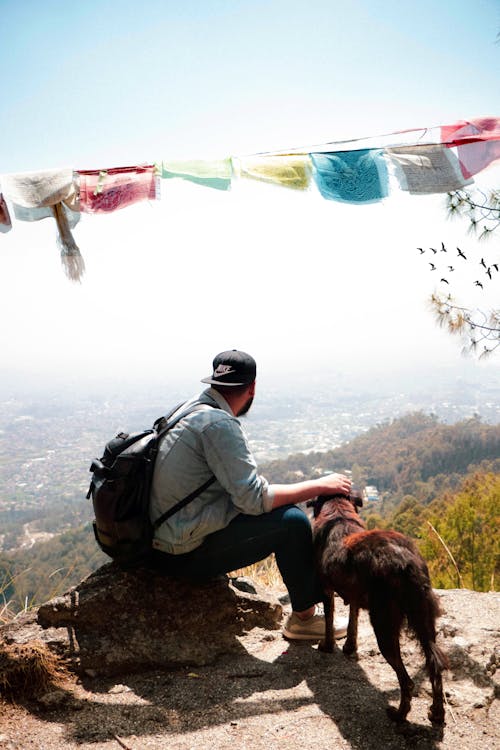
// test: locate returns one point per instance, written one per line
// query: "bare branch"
(476, 327)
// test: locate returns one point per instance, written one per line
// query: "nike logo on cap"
(223, 370)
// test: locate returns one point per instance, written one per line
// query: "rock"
(53, 699)
(126, 621)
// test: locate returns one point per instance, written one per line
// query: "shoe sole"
(296, 637)
(302, 637)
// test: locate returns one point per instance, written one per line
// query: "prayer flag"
(106, 190)
(478, 143)
(471, 131)
(474, 157)
(426, 169)
(214, 173)
(5, 222)
(53, 192)
(352, 176)
(287, 170)
(41, 189)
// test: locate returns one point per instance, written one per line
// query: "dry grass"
(264, 572)
(27, 670)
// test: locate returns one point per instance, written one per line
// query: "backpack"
(120, 490)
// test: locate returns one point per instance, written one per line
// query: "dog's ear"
(357, 500)
(316, 503)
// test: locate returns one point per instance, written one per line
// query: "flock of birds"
(489, 269)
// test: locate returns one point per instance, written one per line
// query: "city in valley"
(48, 440)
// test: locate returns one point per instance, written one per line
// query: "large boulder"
(126, 621)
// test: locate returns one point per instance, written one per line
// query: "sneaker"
(312, 629)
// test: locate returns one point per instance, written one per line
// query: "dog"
(383, 572)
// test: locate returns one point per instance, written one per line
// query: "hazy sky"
(305, 284)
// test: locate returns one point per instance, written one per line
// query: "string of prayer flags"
(421, 161)
(106, 190)
(38, 195)
(422, 170)
(215, 174)
(5, 221)
(288, 170)
(352, 176)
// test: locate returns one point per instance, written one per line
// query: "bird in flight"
(445, 281)
(482, 263)
(461, 254)
(495, 266)
(433, 250)
(450, 268)
(478, 283)
(433, 267)
(422, 251)
(443, 249)
(488, 271)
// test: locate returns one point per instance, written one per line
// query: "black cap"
(232, 368)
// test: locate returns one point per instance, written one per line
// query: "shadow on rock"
(343, 691)
(184, 700)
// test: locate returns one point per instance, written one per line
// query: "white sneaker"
(312, 629)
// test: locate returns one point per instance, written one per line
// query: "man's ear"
(251, 390)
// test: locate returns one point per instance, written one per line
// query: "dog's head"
(317, 503)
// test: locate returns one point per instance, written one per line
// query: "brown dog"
(383, 572)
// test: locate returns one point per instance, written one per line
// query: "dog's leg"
(386, 618)
(328, 643)
(351, 643)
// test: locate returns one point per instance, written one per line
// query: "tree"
(407, 518)
(481, 209)
(459, 539)
(479, 329)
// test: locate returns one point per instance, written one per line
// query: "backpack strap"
(163, 425)
(183, 502)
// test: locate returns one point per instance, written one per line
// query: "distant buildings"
(370, 493)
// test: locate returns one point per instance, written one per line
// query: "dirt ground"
(279, 694)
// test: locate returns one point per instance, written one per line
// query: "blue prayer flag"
(352, 176)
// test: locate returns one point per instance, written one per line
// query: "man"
(240, 518)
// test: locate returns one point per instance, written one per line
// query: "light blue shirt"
(208, 441)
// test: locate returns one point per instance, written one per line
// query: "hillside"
(415, 462)
(414, 455)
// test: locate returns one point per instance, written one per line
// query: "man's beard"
(245, 408)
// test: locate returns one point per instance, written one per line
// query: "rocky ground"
(274, 694)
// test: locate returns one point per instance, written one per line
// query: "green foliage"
(462, 545)
(49, 568)
(427, 472)
(408, 516)
(373, 521)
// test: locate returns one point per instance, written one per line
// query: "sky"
(308, 286)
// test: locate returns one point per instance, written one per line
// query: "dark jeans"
(286, 531)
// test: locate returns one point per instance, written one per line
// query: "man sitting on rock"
(240, 518)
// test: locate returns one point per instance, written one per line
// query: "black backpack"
(120, 491)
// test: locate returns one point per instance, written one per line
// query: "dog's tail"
(422, 610)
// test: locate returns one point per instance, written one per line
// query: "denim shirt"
(208, 441)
